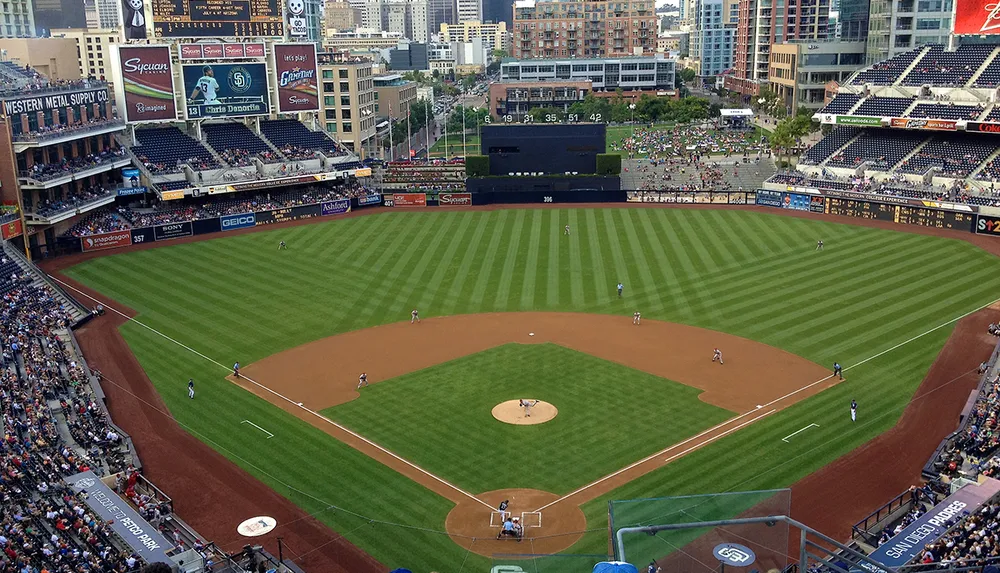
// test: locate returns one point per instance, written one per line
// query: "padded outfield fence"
(689, 550)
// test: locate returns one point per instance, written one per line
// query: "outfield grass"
(748, 273)
(426, 416)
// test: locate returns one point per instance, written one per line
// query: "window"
(342, 74)
(345, 114)
(327, 74)
(928, 23)
(328, 86)
(346, 127)
(331, 114)
(345, 100)
(345, 87)
(331, 127)
(329, 100)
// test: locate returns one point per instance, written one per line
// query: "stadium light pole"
(427, 128)
(464, 151)
(409, 138)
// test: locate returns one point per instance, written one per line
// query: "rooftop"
(390, 80)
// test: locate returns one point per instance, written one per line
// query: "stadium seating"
(884, 106)
(174, 185)
(946, 111)
(881, 148)
(841, 104)
(237, 145)
(289, 132)
(72, 201)
(887, 71)
(956, 155)
(941, 68)
(829, 144)
(990, 76)
(102, 221)
(163, 149)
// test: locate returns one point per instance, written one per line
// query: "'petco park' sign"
(459, 199)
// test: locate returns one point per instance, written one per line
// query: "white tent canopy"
(736, 112)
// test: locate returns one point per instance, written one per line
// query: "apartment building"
(17, 19)
(897, 26)
(639, 73)
(583, 28)
(94, 49)
(800, 71)
(407, 18)
(493, 36)
(347, 101)
(713, 37)
(340, 15)
(393, 96)
(469, 11)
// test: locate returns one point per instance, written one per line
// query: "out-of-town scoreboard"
(217, 18)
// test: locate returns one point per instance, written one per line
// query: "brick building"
(583, 29)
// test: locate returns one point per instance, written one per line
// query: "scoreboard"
(217, 18)
(903, 214)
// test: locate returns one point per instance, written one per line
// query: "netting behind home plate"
(524, 563)
(689, 550)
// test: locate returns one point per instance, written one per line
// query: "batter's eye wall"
(544, 148)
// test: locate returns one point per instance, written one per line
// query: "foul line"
(283, 397)
(269, 434)
(785, 439)
(583, 488)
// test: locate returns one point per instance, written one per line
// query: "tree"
(473, 118)
(688, 75)
(545, 115)
(499, 54)
(415, 76)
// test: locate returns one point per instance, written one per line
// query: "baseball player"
(717, 355)
(236, 369)
(819, 245)
(636, 318)
(502, 509)
(838, 371)
(414, 317)
(282, 246)
(653, 568)
(566, 230)
(620, 287)
(527, 404)
(191, 388)
(854, 411)
(362, 380)
(207, 87)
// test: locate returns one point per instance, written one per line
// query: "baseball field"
(512, 308)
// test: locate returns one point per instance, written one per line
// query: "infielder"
(620, 287)
(636, 318)
(566, 230)
(414, 317)
(282, 246)
(717, 355)
(191, 388)
(819, 245)
(527, 404)
(236, 369)
(362, 380)
(854, 411)
(838, 371)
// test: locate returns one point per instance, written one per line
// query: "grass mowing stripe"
(719, 221)
(698, 254)
(617, 255)
(552, 288)
(531, 262)
(600, 280)
(457, 238)
(455, 290)
(575, 257)
(678, 243)
(486, 262)
(500, 301)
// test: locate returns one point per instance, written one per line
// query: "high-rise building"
(441, 12)
(314, 21)
(17, 19)
(469, 11)
(94, 47)
(347, 101)
(896, 26)
(50, 14)
(852, 20)
(407, 18)
(583, 28)
(340, 15)
(494, 36)
(109, 14)
(766, 22)
(497, 11)
(713, 37)
(90, 13)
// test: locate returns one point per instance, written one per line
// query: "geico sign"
(239, 221)
(455, 199)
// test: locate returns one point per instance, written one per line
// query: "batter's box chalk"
(531, 518)
(495, 520)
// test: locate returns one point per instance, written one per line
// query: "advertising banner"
(795, 201)
(130, 178)
(336, 207)
(927, 528)
(372, 199)
(977, 17)
(126, 191)
(148, 83)
(459, 199)
(225, 90)
(216, 19)
(55, 101)
(298, 84)
(817, 204)
(231, 222)
(984, 225)
(172, 231)
(982, 127)
(140, 536)
(143, 235)
(922, 123)
(769, 198)
(11, 230)
(409, 199)
(363, 172)
(171, 195)
(289, 214)
(106, 241)
(221, 51)
(858, 120)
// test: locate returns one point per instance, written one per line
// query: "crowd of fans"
(44, 526)
(691, 141)
(47, 171)
(121, 218)
(895, 185)
(62, 128)
(693, 173)
(974, 541)
(438, 175)
(49, 207)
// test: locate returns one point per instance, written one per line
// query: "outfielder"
(636, 318)
(362, 380)
(620, 287)
(854, 411)
(819, 245)
(717, 355)
(282, 246)
(191, 388)
(414, 316)
(566, 231)
(527, 404)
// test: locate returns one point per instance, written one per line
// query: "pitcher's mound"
(511, 412)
